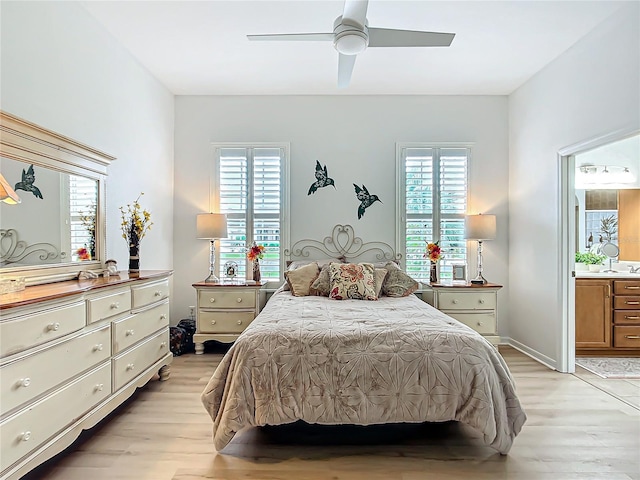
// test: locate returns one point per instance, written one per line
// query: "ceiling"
(200, 47)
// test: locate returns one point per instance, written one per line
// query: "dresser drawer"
(150, 293)
(626, 302)
(29, 428)
(484, 323)
(132, 329)
(224, 322)
(626, 336)
(466, 300)
(626, 287)
(626, 317)
(130, 364)
(27, 331)
(34, 374)
(223, 298)
(110, 305)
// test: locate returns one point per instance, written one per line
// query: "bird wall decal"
(27, 183)
(322, 179)
(366, 200)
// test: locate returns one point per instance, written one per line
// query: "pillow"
(294, 265)
(350, 280)
(300, 279)
(380, 275)
(397, 283)
(321, 286)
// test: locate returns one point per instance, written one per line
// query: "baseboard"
(529, 352)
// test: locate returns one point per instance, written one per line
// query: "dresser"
(474, 305)
(224, 310)
(70, 353)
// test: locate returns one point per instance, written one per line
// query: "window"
(252, 190)
(432, 185)
(83, 195)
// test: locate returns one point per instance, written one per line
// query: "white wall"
(62, 70)
(591, 90)
(355, 137)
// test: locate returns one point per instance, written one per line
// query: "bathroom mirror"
(58, 226)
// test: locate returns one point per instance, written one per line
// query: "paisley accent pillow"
(352, 281)
(380, 275)
(397, 283)
(300, 279)
(322, 285)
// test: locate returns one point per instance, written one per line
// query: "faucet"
(634, 270)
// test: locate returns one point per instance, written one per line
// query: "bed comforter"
(361, 362)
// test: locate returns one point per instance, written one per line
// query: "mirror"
(58, 226)
(611, 250)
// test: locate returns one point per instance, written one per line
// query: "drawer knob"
(163, 345)
(115, 305)
(479, 324)
(97, 347)
(25, 436)
(24, 382)
(158, 293)
(163, 317)
(213, 322)
(239, 300)
(99, 387)
(454, 301)
(239, 322)
(53, 326)
(481, 300)
(212, 300)
(129, 333)
(130, 366)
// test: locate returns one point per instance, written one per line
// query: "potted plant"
(594, 261)
(581, 262)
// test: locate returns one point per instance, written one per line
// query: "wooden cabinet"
(607, 317)
(78, 349)
(474, 305)
(224, 311)
(593, 313)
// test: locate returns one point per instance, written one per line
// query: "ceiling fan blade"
(345, 68)
(386, 37)
(355, 10)
(297, 37)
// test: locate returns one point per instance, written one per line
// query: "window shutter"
(83, 196)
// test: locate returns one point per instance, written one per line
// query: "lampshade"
(7, 194)
(480, 227)
(211, 226)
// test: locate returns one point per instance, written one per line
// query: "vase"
(256, 271)
(134, 260)
(433, 273)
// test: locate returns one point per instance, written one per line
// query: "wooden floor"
(579, 427)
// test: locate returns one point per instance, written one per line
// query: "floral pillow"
(352, 281)
(397, 283)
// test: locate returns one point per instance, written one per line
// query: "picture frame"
(459, 273)
(231, 270)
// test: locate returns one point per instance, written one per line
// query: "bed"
(361, 362)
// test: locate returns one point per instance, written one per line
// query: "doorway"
(570, 237)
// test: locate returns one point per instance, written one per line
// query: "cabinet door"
(593, 313)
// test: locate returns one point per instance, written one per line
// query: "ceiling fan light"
(351, 43)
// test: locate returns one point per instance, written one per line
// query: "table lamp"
(480, 227)
(211, 226)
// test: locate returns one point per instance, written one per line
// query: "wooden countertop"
(53, 291)
(608, 276)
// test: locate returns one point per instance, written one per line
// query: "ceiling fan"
(351, 35)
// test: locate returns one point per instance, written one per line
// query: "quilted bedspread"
(361, 362)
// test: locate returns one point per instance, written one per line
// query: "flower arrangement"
(255, 252)
(433, 251)
(135, 222)
(83, 254)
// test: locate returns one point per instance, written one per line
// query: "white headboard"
(342, 243)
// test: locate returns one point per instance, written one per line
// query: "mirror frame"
(29, 143)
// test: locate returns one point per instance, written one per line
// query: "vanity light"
(603, 176)
(8, 194)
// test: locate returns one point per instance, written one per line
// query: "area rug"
(611, 367)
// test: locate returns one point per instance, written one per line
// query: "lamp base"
(479, 280)
(212, 279)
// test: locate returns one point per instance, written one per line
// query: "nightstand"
(224, 310)
(474, 305)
